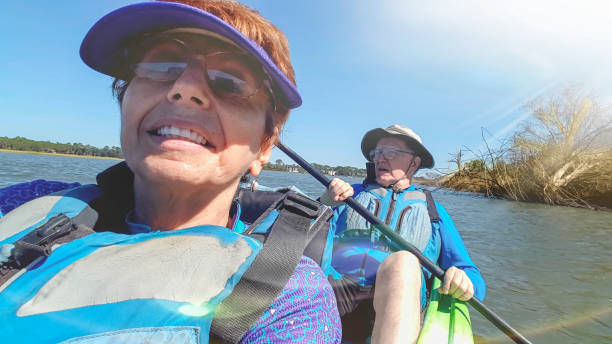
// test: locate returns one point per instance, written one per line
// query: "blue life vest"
(66, 277)
(359, 248)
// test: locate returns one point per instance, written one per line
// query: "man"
(370, 278)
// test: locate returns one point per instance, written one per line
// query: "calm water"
(548, 269)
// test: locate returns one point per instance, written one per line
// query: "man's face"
(403, 166)
(181, 130)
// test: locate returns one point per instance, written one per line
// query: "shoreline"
(2, 150)
(473, 186)
(327, 175)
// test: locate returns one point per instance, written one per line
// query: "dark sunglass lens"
(160, 71)
(224, 83)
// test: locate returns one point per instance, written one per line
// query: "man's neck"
(399, 185)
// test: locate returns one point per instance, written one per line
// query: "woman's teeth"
(170, 131)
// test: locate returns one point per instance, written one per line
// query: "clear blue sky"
(444, 68)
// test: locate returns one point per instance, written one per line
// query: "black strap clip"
(301, 204)
(38, 242)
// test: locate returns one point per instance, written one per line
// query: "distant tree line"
(350, 171)
(23, 144)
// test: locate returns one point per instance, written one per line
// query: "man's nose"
(380, 157)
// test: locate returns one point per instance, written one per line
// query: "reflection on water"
(548, 269)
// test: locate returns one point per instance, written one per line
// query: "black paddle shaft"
(396, 238)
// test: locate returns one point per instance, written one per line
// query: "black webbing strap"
(38, 243)
(270, 271)
(317, 245)
(431, 207)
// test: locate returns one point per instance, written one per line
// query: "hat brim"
(102, 47)
(371, 138)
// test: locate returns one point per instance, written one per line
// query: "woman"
(204, 89)
(369, 278)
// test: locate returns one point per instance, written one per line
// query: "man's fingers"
(459, 284)
(469, 293)
(347, 192)
(340, 189)
(448, 276)
(456, 283)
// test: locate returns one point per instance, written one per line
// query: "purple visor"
(102, 47)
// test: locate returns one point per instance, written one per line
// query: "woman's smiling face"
(183, 131)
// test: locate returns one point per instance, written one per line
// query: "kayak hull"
(447, 320)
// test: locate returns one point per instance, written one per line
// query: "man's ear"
(416, 163)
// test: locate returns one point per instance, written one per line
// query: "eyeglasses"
(230, 74)
(389, 154)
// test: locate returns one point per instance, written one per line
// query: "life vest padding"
(107, 282)
(360, 248)
(125, 265)
(406, 212)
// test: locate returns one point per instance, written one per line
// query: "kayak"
(447, 320)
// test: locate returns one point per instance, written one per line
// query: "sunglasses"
(387, 153)
(230, 74)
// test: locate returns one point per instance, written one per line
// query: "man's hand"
(457, 284)
(337, 192)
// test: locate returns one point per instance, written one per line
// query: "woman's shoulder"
(15, 195)
(305, 310)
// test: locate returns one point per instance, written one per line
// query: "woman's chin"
(170, 171)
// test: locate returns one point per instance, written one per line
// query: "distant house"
(330, 172)
(293, 170)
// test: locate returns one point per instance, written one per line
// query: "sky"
(447, 69)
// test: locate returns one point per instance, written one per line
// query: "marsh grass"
(561, 155)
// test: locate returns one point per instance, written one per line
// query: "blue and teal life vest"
(359, 248)
(71, 274)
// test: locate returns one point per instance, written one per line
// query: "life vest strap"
(431, 207)
(39, 243)
(270, 272)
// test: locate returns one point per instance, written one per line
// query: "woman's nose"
(192, 86)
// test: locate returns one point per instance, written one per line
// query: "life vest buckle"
(38, 242)
(302, 204)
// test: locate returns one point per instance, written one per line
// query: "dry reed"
(561, 155)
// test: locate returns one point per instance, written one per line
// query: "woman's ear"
(264, 154)
(262, 158)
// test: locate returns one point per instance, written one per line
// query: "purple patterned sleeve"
(304, 312)
(15, 195)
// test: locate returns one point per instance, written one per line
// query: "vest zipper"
(391, 209)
